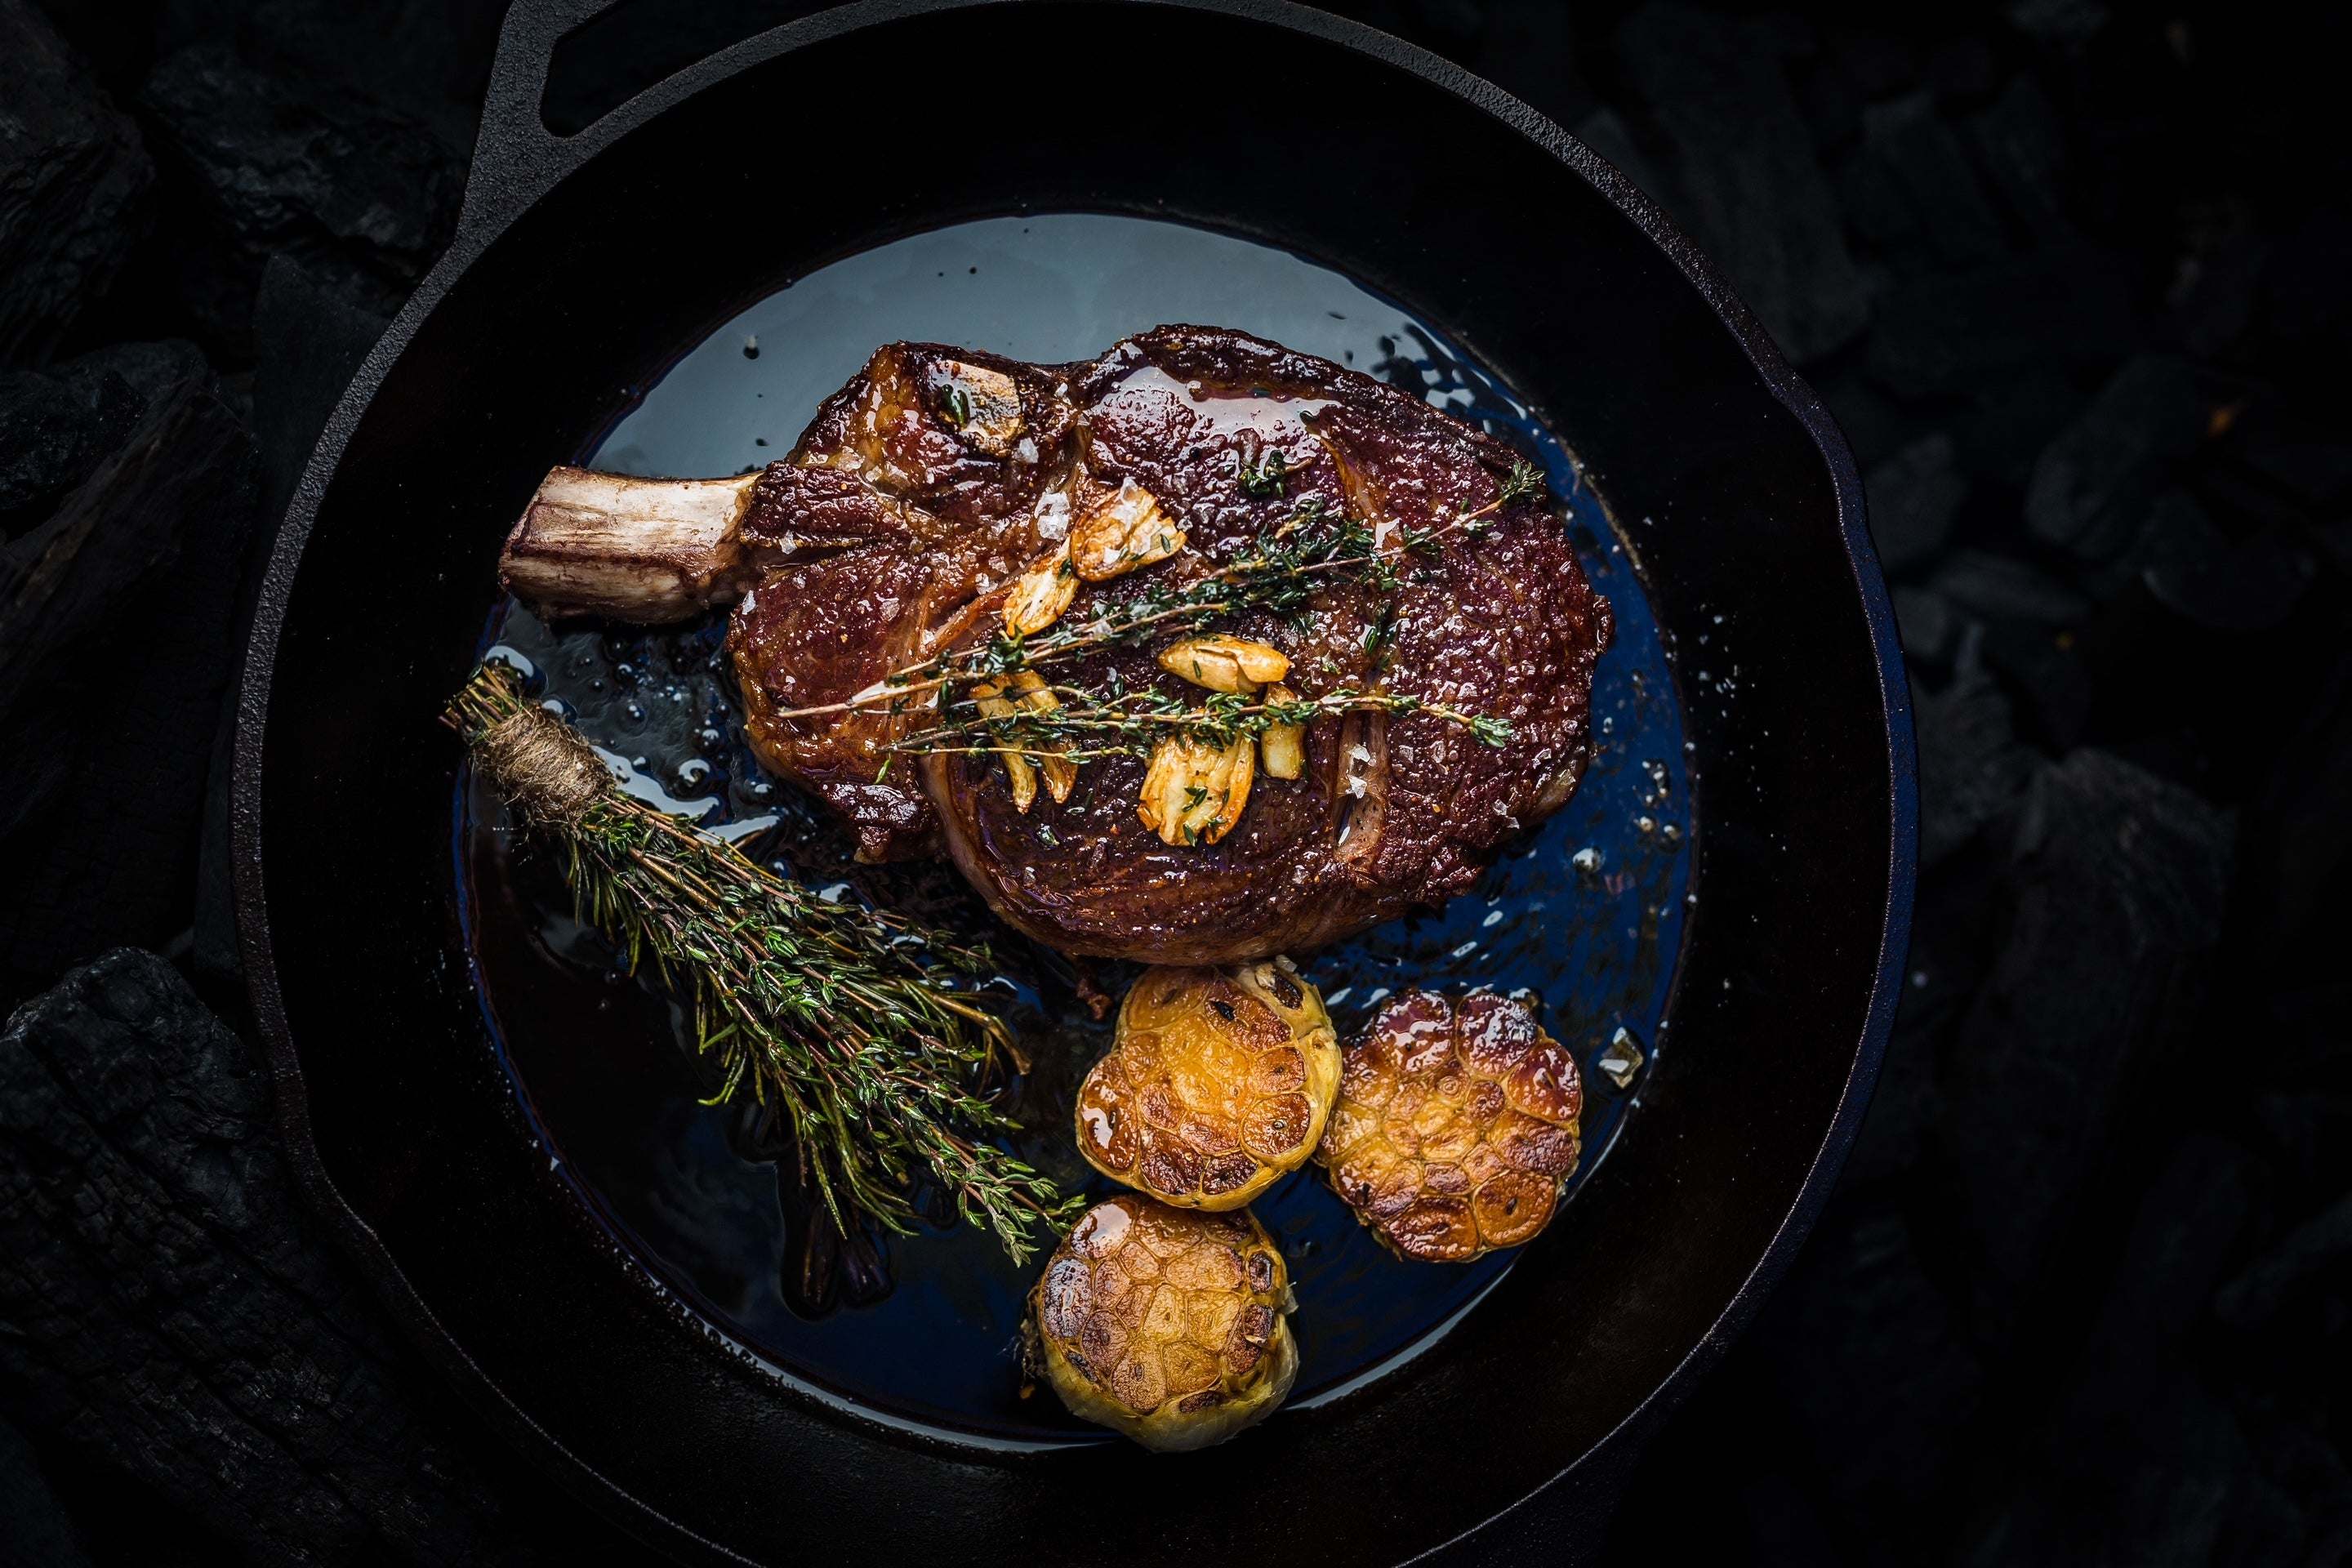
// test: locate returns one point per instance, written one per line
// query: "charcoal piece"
(2070, 1054)
(362, 196)
(115, 626)
(2064, 22)
(1708, 94)
(2299, 448)
(2072, 308)
(53, 436)
(2046, 675)
(2195, 570)
(2173, 1255)
(1971, 768)
(2315, 1256)
(1870, 1358)
(2021, 143)
(39, 1533)
(2298, 843)
(1914, 497)
(1920, 162)
(2091, 487)
(73, 186)
(1927, 623)
(2009, 418)
(173, 1310)
(2305, 311)
(151, 368)
(2000, 587)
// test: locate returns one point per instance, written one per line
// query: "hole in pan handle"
(516, 157)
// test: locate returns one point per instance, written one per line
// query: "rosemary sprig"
(850, 1021)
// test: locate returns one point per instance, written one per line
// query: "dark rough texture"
(2119, 883)
(57, 425)
(115, 624)
(170, 1309)
(2194, 568)
(1948, 331)
(1883, 1409)
(2166, 184)
(2091, 485)
(1913, 496)
(2001, 587)
(73, 180)
(1717, 117)
(1971, 769)
(35, 1531)
(360, 193)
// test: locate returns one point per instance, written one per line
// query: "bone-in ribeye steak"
(922, 490)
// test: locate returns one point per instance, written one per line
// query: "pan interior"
(1585, 912)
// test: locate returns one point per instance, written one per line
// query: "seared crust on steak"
(925, 488)
(1388, 812)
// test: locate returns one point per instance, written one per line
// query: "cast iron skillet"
(579, 265)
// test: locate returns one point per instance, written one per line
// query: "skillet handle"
(516, 156)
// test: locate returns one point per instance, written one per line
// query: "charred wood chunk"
(73, 183)
(1738, 166)
(254, 165)
(116, 621)
(2071, 1052)
(173, 1311)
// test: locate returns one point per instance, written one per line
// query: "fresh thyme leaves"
(864, 1030)
(955, 406)
(1269, 476)
(1524, 481)
(1316, 547)
(1086, 725)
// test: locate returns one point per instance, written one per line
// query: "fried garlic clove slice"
(1121, 531)
(1041, 595)
(1060, 772)
(1194, 790)
(993, 704)
(1223, 663)
(1282, 749)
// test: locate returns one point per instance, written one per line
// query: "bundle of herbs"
(866, 1033)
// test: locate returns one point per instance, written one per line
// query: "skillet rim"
(517, 162)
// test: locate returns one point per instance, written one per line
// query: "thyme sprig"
(1089, 725)
(1282, 575)
(863, 1029)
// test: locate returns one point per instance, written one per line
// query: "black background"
(2072, 277)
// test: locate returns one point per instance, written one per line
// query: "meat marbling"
(924, 488)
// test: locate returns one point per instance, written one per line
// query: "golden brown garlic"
(1225, 664)
(1193, 792)
(1456, 1127)
(1218, 1081)
(1120, 532)
(1164, 1323)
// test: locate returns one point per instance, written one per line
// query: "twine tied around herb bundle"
(869, 1036)
(543, 769)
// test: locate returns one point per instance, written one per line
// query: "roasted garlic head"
(1217, 1082)
(1457, 1126)
(1165, 1324)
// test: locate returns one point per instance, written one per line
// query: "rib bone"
(649, 550)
